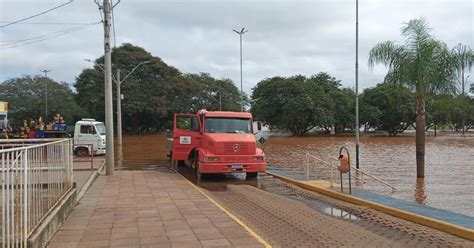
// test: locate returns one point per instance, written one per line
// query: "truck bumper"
(100, 151)
(205, 167)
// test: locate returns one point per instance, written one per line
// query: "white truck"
(89, 137)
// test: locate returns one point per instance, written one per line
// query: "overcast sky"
(285, 37)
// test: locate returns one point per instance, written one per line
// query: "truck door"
(87, 136)
(186, 135)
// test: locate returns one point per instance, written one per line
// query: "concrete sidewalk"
(149, 209)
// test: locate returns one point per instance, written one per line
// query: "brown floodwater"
(449, 168)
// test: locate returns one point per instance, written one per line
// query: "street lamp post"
(357, 84)
(118, 83)
(240, 33)
(46, 89)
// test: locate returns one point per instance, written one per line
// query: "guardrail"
(34, 178)
(312, 161)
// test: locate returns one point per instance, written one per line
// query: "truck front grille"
(235, 148)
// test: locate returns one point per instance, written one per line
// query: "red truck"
(216, 142)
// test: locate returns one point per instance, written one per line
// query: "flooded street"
(448, 170)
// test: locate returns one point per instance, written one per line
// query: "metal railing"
(34, 178)
(90, 157)
(312, 162)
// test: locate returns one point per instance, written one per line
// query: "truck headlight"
(258, 158)
(212, 159)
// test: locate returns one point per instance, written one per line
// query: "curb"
(423, 220)
(89, 182)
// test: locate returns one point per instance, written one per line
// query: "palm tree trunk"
(420, 136)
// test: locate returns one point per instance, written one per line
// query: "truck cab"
(216, 142)
(89, 137)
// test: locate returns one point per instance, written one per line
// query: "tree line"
(421, 81)
(152, 94)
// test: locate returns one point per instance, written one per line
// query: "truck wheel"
(196, 168)
(251, 174)
(82, 152)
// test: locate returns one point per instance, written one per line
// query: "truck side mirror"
(259, 126)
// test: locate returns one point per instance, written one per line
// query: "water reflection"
(420, 195)
(336, 212)
(218, 182)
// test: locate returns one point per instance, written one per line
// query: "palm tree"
(422, 63)
(463, 58)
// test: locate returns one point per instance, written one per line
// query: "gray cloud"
(284, 38)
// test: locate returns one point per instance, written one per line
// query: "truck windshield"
(100, 128)
(228, 125)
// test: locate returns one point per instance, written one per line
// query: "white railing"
(34, 178)
(325, 167)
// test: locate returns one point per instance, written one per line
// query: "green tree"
(439, 111)
(388, 107)
(154, 92)
(463, 58)
(26, 96)
(422, 63)
(462, 113)
(147, 92)
(295, 103)
(213, 94)
(339, 104)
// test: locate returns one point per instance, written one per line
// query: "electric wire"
(10, 42)
(33, 16)
(48, 37)
(50, 23)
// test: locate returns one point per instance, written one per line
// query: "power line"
(33, 16)
(10, 42)
(49, 23)
(47, 38)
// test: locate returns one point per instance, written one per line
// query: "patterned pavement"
(148, 209)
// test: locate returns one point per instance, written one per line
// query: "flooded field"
(448, 170)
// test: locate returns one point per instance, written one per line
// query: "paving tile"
(153, 240)
(68, 236)
(98, 243)
(122, 242)
(215, 243)
(243, 241)
(137, 209)
(63, 244)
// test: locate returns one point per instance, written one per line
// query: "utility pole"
(240, 33)
(220, 96)
(46, 89)
(118, 83)
(357, 84)
(119, 110)
(109, 121)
